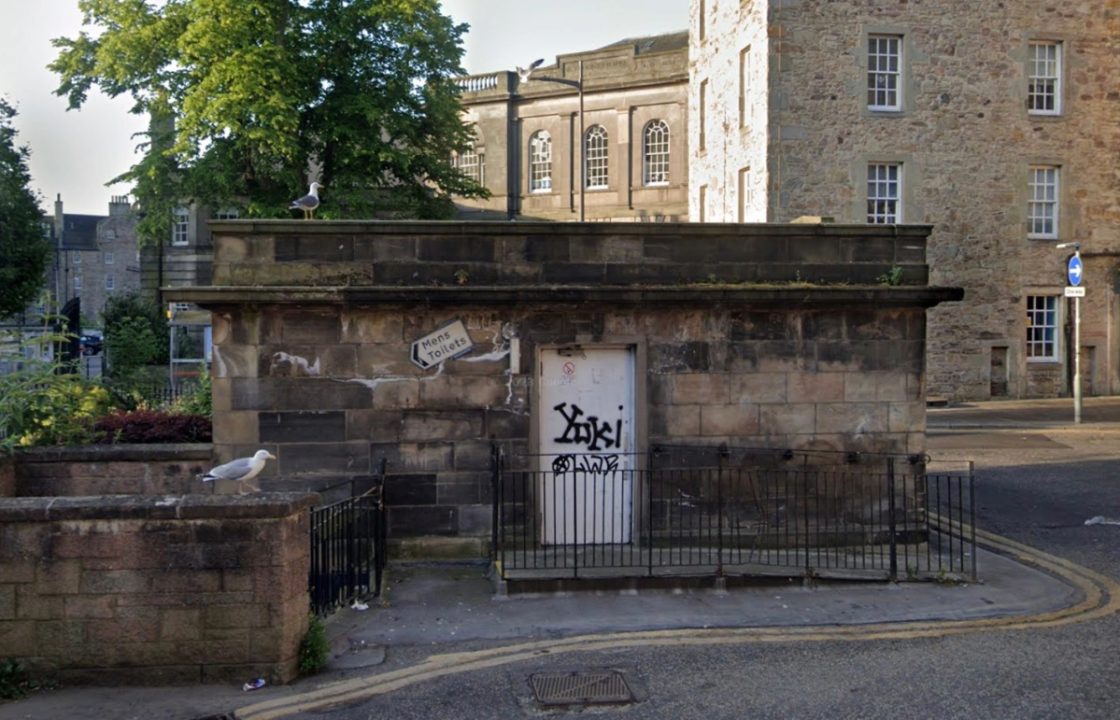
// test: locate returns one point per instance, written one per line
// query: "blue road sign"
(1074, 271)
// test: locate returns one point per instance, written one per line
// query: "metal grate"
(580, 688)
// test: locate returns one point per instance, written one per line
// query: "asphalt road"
(1038, 487)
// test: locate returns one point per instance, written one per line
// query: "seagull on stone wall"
(242, 470)
(308, 203)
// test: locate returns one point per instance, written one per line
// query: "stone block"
(386, 361)
(786, 356)
(413, 457)
(815, 387)
(235, 616)
(236, 427)
(504, 424)
(787, 419)
(759, 388)
(17, 638)
(852, 418)
(876, 325)
(456, 249)
(472, 455)
(381, 248)
(59, 577)
(17, 570)
(680, 357)
(547, 249)
(377, 425)
(232, 361)
(423, 520)
(475, 520)
(60, 639)
(729, 420)
(907, 417)
(366, 327)
(692, 388)
(760, 325)
(114, 581)
(305, 426)
(425, 425)
(324, 458)
(410, 490)
(30, 605)
(456, 392)
(676, 421)
(7, 601)
(91, 606)
(317, 328)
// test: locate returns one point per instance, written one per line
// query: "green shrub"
(314, 649)
(14, 681)
(198, 401)
(136, 333)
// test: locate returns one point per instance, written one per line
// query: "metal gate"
(348, 545)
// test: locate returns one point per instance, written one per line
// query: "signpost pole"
(1074, 273)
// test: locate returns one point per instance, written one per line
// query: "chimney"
(58, 224)
(118, 205)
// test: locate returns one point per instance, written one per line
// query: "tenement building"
(623, 106)
(997, 123)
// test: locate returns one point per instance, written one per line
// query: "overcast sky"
(76, 153)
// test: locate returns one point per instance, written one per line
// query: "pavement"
(433, 620)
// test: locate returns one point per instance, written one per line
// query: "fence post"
(892, 520)
(972, 514)
(495, 498)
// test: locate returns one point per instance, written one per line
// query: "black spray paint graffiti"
(585, 463)
(589, 432)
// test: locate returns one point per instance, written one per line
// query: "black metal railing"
(569, 516)
(348, 546)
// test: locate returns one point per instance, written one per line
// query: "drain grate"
(580, 688)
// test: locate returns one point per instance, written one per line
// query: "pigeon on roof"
(240, 470)
(526, 73)
(308, 202)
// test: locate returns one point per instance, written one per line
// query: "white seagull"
(242, 469)
(525, 74)
(308, 202)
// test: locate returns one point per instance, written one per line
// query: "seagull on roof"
(308, 202)
(527, 73)
(240, 470)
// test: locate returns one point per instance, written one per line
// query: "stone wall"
(769, 336)
(7, 476)
(109, 470)
(966, 143)
(155, 590)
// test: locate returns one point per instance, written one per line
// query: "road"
(1035, 486)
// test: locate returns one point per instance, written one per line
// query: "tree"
(136, 333)
(24, 252)
(244, 97)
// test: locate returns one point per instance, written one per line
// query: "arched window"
(540, 162)
(595, 157)
(655, 153)
(472, 163)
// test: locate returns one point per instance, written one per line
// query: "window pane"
(884, 63)
(595, 157)
(540, 162)
(655, 153)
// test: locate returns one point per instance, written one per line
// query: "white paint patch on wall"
(302, 363)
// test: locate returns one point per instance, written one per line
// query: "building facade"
(96, 256)
(633, 119)
(991, 122)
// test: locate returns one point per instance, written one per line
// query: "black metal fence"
(569, 516)
(348, 546)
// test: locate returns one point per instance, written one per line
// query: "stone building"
(329, 349)
(95, 255)
(634, 124)
(997, 123)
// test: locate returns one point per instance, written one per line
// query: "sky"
(75, 153)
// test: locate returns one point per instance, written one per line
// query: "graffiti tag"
(585, 463)
(590, 432)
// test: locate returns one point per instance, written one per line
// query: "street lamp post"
(1074, 279)
(527, 75)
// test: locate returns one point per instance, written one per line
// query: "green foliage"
(136, 334)
(891, 277)
(24, 252)
(315, 648)
(14, 681)
(243, 95)
(199, 400)
(43, 406)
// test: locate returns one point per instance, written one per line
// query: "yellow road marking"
(1101, 598)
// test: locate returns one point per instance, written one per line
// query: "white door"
(586, 441)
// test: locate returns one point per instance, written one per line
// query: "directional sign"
(1074, 271)
(446, 343)
(1072, 291)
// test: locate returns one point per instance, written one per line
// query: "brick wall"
(154, 590)
(109, 470)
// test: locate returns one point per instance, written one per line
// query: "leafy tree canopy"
(246, 95)
(24, 252)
